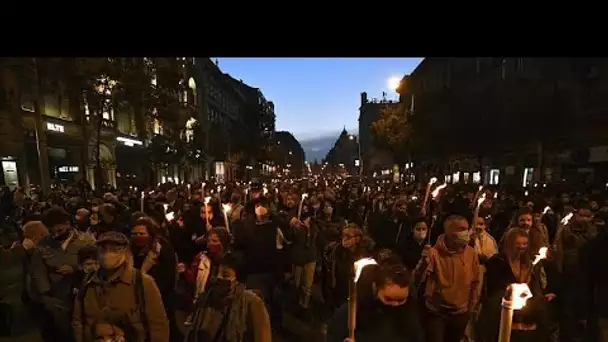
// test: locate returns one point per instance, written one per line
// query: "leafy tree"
(393, 130)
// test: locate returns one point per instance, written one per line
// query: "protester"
(119, 296)
(450, 274)
(391, 315)
(154, 255)
(513, 265)
(228, 311)
(53, 267)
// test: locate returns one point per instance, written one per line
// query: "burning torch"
(515, 299)
(352, 294)
(301, 204)
(226, 208)
(206, 202)
(143, 196)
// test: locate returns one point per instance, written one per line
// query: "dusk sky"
(317, 97)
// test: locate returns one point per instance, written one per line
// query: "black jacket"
(375, 322)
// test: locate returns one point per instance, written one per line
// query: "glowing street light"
(394, 82)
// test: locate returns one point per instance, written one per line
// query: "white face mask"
(420, 235)
(462, 238)
(112, 260)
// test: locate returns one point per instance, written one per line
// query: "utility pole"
(43, 157)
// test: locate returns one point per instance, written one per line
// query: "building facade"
(510, 120)
(237, 123)
(374, 158)
(344, 156)
(79, 119)
(288, 155)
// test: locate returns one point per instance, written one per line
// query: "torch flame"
(265, 191)
(166, 206)
(304, 196)
(542, 254)
(481, 199)
(433, 181)
(143, 194)
(546, 210)
(360, 264)
(566, 219)
(435, 192)
(480, 188)
(521, 293)
(207, 199)
(226, 208)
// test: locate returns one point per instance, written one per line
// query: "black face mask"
(582, 225)
(220, 286)
(62, 235)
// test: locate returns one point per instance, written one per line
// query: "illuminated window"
(456, 177)
(528, 175)
(108, 111)
(476, 177)
(189, 132)
(494, 176)
(185, 96)
(157, 127)
(466, 177)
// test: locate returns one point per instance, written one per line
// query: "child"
(88, 264)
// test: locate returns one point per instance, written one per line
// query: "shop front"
(132, 167)
(65, 149)
(11, 152)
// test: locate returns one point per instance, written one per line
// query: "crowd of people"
(227, 262)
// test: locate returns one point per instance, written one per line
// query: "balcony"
(105, 123)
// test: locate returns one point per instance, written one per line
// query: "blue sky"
(316, 97)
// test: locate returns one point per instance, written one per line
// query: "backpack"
(140, 300)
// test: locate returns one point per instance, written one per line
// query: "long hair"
(509, 248)
(535, 236)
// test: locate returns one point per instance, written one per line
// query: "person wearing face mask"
(259, 244)
(154, 255)
(484, 244)
(228, 311)
(205, 264)
(390, 315)
(119, 295)
(391, 231)
(411, 249)
(53, 267)
(568, 241)
(450, 274)
(514, 265)
(329, 224)
(316, 208)
(338, 259)
(81, 219)
(88, 261)
(537, 232)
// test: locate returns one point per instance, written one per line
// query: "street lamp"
(352, 137)
(394, 82)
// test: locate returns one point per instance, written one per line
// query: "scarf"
(208, 319)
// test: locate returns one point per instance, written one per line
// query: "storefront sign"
(11, 178)
(68, 169)
(55, 127)
(129, 142)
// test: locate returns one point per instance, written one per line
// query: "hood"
(442, 248)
